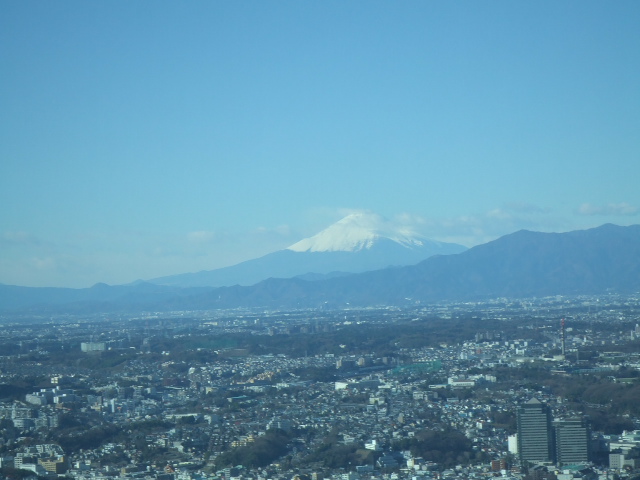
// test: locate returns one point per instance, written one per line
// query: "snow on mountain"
(359, 242)
(358, 231)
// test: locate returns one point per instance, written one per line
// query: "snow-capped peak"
(356, 232)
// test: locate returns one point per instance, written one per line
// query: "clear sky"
(147, 138)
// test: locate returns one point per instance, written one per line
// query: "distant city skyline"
(153, 138)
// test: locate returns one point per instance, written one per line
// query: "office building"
(571, 441)
(535, 439)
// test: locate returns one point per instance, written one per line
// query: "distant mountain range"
(360, 242)
(524, 264)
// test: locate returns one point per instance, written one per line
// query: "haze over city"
(154, 138)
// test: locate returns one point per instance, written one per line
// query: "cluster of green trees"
(447, 448)
(606, 402)
(260, 453)
(331, 454)
(602, 421)
(505, 420)
(73, 439)
(623, 398)
(381, 339)
(88, 431)
(16, 391)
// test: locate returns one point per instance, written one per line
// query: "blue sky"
(140, 139)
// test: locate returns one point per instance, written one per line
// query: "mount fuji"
(360, 231)
(524, 264)
(358, 243)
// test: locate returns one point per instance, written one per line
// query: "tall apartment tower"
(535, 439)
(571, 441)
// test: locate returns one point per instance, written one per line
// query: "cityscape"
(321, 240)
(543, 388)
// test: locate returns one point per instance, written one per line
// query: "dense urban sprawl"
(430, 392)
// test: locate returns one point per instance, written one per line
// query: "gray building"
(571, 441)
(535, 439)
(93, 346)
